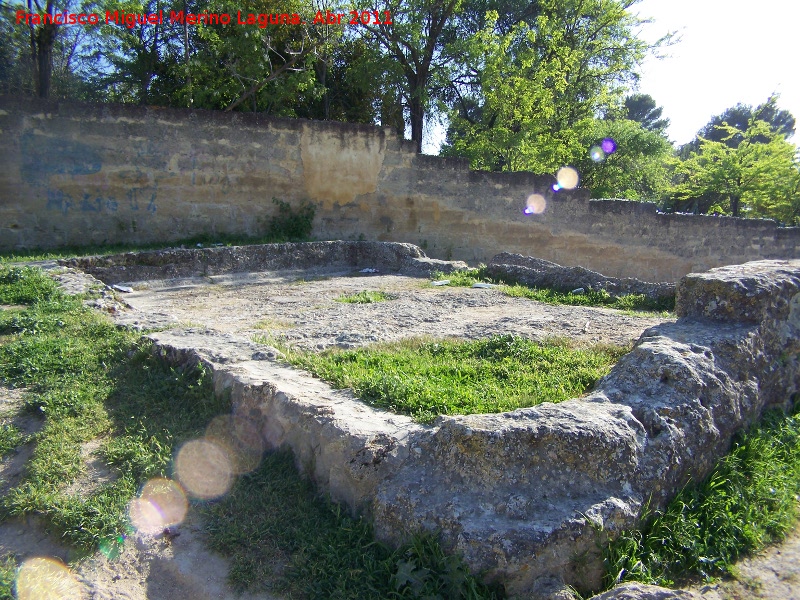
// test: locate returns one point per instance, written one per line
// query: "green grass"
(747, 502)
(425, 379)
(91, 380)
(8, 568)
(365, 297)
(631, 302)
(10, 439)
(273, 522)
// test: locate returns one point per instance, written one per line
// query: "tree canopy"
(758, 176)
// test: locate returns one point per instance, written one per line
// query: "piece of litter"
(199, 245)
(484, 285)
(578, 291)
(442, 282)
(123, 288)
(368, 270)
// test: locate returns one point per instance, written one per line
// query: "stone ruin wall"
(77, 174)
(526, 496)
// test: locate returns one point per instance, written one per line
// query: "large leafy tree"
(758, 176)
(538, 86)
(639, 168)
(415, 42)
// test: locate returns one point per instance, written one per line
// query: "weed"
(748, 501)
(290, 224)
(365, 297)
(25, 286)
(273, 324)
(425, 379)
(89, 379)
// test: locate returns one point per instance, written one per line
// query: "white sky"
(730, 51)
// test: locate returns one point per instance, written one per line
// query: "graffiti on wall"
(44, 156)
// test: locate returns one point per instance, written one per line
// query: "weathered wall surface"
(80, 174)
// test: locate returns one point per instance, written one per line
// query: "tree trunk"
(45, 39)
(417, 85)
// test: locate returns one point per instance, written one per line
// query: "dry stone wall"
(75, 174)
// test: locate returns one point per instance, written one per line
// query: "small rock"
(578, 291)
(368, 270)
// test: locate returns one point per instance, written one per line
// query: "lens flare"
(535, 204)
(112, 548)
(240, 438)
(161, 504)
(608, 145)
(46, 579)
(204, 469)
(567, 179)
(596, 154)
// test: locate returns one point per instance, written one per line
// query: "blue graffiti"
(58, 200)
(63, 202)
(43, 156)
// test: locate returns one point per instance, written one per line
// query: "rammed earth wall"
(78, 174)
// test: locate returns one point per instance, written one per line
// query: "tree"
(739, 117)
(539, 87)
(758, 176)
(41, 57)
(414, 41)
(642, 108)
(638, 169)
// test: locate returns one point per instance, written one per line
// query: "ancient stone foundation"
(527, 495)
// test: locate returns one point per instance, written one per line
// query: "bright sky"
(730, 51)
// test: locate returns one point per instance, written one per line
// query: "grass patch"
(425, 379)
(8, 568)
(274, 522)
(630, 302)
(365, 297)
(89, 380)
(10, 439)
(273, 324)
(748, 501)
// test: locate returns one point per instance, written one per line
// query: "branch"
(257, 87)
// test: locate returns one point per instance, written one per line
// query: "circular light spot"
(204, 469)
(46, 579)
(535, 204)
(608, 145)
(161, 504)
(596, 154)
(567, 178)
(240, 438)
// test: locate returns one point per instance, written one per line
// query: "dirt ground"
(300, 310)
